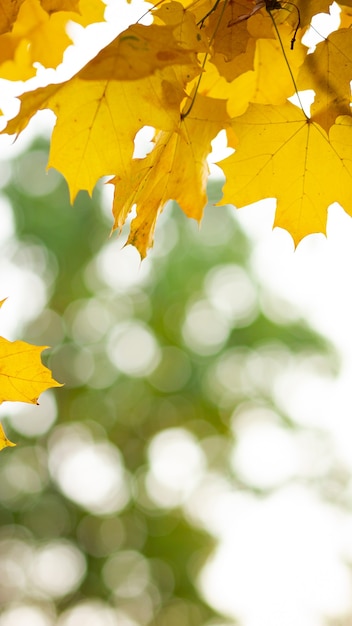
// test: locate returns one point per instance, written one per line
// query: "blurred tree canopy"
(103, 504)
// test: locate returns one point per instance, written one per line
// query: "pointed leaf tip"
(4, 441)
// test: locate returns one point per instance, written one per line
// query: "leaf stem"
(213, 8)
(190, 107)
(288, 64)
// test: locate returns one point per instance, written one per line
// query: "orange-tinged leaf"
(230, 41)
(282, 154)
(345, 15)
(138, 52)
(176, 169)
(8, 14)
(23, 377)
(51, 6)
(260, 26)
(307, 10)
(4, 441)
(328, 71)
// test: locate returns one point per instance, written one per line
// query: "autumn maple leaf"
(282, 154)
(328, 71)
(177, 168)
(23, 377)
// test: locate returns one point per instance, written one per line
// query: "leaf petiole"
(214, 7)
(285, 56)
(190, 107)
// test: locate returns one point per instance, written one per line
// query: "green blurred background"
(105, 502)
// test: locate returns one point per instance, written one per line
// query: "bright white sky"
(287, 551)
(280, 560)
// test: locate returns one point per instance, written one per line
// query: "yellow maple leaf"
(281, 154)
(328, 72)
(273, 81)
(39, 34)
(175, 169)
(230, 41)
(23, 377)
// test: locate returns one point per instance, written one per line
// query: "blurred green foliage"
(172, 348)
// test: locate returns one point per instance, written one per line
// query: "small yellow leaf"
(90, 12)
(4, 441)
(23, 377)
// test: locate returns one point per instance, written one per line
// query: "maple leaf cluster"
(200, 67)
